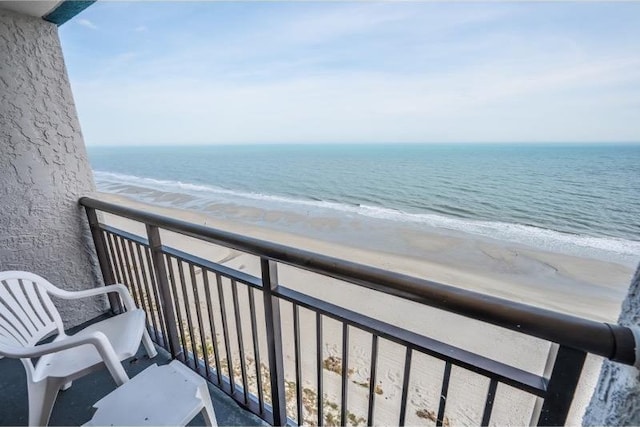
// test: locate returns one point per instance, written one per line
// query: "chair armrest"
(97, 339)
(119, 288)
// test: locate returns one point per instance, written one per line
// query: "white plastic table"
(169, 395)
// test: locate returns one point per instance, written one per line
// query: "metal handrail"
(614, 342)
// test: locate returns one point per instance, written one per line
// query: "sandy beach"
(580, 286)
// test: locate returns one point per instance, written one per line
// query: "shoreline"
(341, 222)
(595, 288)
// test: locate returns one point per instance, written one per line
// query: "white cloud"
(88, 24)
(365, 73)
(334, 24)
(491, 105)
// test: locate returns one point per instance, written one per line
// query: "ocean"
(579, 200)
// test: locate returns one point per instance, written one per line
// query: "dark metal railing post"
(274, 340)
(562, 386)
(103, 258)
(155, 244)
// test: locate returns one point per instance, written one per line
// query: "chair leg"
(209, 417)
(148, 345)
(42, 396)
(207, 408)
(117, 372)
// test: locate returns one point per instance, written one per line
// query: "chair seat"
(124, 331)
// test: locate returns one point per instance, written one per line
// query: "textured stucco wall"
(43, 165)
(616, 400)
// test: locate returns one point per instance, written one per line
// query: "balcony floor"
(75, 406)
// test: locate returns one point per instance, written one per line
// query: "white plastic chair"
(27, 316)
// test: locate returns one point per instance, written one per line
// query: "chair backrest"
(27, 314)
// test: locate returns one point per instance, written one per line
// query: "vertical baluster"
(103, 258)
(243, 365)
(128, 267)
(143, 288)
(225, 333)
(345, 372)
(443, 394)
(256, 347)
(157, 298)
(562, 386)
(133, 269)
(115, 267)
(148, 292)
(187, 309)
(123, 268)
(114, 256)
(176, 306)
(165, 296)
(196, 297)
(274, 340)
(296, 337)
(212, 326)
(405, 386)
(123, 254)
(488, 406)
(319, 363)
(372, 378)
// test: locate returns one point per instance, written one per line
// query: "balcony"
(286, 352)
(289, 357)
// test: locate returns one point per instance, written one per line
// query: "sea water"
(569, 198)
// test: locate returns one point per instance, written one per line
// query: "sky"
(170, 73)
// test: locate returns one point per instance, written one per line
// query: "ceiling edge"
(67, 10)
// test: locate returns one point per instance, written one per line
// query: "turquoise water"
(548, 196)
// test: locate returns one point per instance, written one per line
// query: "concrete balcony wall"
(616, 399)
(43, 164)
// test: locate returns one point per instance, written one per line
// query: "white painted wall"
(43, 164)
(616, 399)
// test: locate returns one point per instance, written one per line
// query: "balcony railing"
(227, 326)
